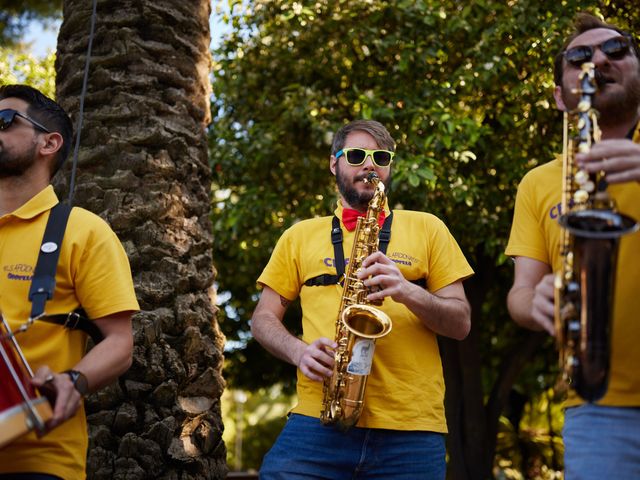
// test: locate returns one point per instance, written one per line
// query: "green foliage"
(16, 67)
(533, 447)
(252, 422)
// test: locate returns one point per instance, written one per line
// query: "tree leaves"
(18, 67)
(464, 88)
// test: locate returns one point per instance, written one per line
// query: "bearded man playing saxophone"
(399, 434)
(601, 438)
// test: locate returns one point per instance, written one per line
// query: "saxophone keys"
(584, 106)
(569, 272)
(589, 187)
(584, 146)
(580, 197)
(581, 177)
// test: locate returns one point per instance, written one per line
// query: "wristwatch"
(79, 381)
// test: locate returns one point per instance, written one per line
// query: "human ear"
(52, 142)
(557, 95)
(332, 164)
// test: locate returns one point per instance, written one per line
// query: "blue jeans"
(601, 442)
(307, 449)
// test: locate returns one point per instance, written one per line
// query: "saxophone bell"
(365, 325)
(589, 296)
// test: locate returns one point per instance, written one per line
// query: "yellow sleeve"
(282, 273)
(527, 234)
(102, 277)
(447, 263)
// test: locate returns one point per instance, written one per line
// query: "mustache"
(601, 80)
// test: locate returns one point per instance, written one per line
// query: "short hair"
(375, 129)
(583, 23)
(47, 112)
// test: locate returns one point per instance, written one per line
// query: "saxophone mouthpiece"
(601, 80)
(370, 177)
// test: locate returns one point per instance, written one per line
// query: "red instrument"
(21, 409)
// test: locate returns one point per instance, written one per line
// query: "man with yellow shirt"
(601, 438)
(400, 433)
(92, 273)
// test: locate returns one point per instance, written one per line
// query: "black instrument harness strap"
(43, 283)
(384, 237)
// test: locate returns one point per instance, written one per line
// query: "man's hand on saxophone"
(542, 308)
(382, 276)
(619, 158)
(317, 359)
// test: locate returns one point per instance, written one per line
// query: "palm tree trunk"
(143, 166)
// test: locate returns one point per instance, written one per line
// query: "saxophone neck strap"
(43, 283)
(338, 252)
(384, 237)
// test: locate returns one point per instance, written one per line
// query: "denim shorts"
(601, 443)
(306, 449)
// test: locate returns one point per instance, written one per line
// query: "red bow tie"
(350, 218)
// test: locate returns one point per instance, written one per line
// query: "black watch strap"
(79, 381)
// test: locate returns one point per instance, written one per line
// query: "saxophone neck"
(376, 204)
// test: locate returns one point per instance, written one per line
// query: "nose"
(599, 57)
(368, 163)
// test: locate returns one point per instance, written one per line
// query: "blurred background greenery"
(466, 90)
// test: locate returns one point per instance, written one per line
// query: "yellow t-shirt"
(405, 390)
(93, 272)
(536, 234)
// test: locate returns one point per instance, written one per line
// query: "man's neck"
(346, 204)
(620, 127)
(16, 191)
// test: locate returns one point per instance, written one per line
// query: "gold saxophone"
(591, 231)
(358, 326)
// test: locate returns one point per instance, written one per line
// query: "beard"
(613, 106)
(619, 104)
(358, 200)
(14, 165)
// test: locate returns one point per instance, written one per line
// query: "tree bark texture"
(143, 166)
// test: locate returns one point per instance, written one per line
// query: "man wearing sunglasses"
(400, 432)
(601, 439)
(92, 272)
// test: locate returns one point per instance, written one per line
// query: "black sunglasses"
(357, 156)
(615, 49)
(8, 115)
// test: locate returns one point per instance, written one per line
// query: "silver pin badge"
(49, 247)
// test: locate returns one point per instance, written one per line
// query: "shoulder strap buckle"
(73, 318)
